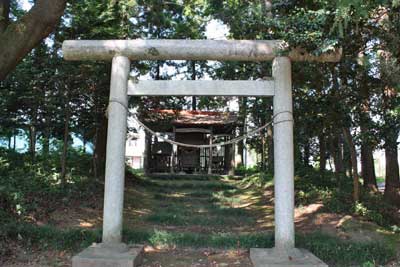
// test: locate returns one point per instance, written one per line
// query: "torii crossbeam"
(112, 252)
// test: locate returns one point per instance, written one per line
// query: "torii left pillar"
(112, 252)
(115, 157)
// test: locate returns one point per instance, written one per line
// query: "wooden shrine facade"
(190, 127)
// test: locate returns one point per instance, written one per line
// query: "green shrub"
(49, 237)
(242, 170)
(35, 188)
(258, 180)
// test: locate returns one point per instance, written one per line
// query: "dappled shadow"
(190, 203)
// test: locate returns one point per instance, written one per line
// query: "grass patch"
(220, 197)
(219, 221)
(168, 197)
(342, 253)
(229, 211)
(169, 185)
(330, 249)
(216, 240)
(232, 192)
(200, 194)
(179, 219)
(166, 218)
(184, 197)
(49, 237)
(190, 208)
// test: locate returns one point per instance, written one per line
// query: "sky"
(25, 4)
(214, 30)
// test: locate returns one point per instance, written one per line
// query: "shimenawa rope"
(229, 142)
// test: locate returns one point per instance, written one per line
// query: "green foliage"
(49, 237)
(27, 187)
(312, 186)
(259, 179)
(343, 253)
(242, 170)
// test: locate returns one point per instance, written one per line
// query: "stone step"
(192, 184)
(178, 176)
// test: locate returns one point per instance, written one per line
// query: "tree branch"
(20, 37)
(4, 14)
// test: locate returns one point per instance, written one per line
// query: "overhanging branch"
(20, 37)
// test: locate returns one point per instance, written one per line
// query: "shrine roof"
(192, 117)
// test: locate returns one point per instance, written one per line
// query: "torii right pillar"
(284, 254)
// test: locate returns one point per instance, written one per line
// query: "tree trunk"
(336, 151)
(84, 145)
(230, 159)
(263, 142)
(226, 158)
(322, 153)
(353, 154)
(306, 156)
(231, 170)
(32, 141)
(390, 130)
(347, 164)
(147, 153)
(367, 149)
(46, 143)
(4, 14)
(100, 147)
(65, 146)
(194, 99)
(9, 142)
(18, 38)
(368, 168)
(242, 127)
(94, 156)
(392, 180)
(240, 146)
(270, 148)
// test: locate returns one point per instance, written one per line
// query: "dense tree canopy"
(343, 111)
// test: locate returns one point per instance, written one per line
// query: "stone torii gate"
(112, 252)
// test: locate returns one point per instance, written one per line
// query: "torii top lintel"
(168, 49)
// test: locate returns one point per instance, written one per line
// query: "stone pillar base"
(262, 257)
(106, 255)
